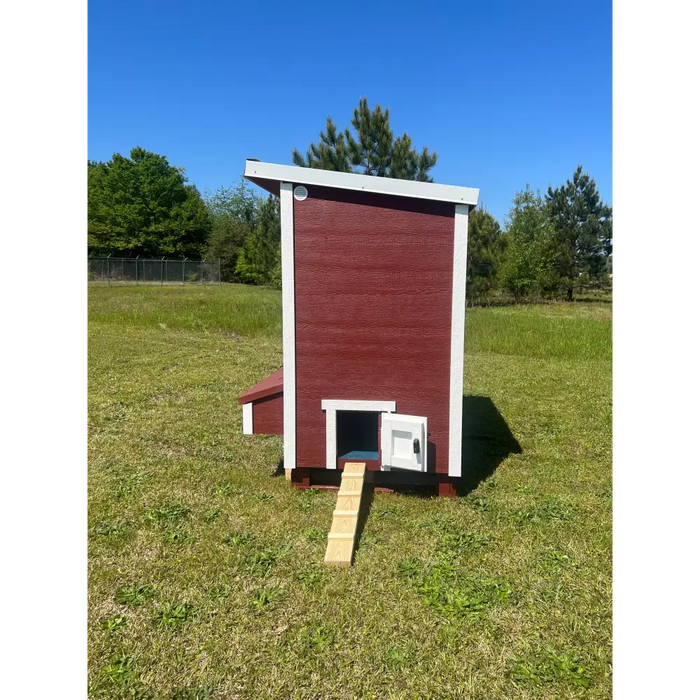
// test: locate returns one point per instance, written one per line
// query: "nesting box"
(373, 300)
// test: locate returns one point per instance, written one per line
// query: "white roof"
(269, 175)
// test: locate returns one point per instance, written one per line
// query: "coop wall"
(268, 415)
(373, 311)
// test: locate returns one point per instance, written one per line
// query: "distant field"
(205, 568)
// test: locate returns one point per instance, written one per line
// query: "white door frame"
(332, 406)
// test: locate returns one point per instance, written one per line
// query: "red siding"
(373, 295)
(268, 416)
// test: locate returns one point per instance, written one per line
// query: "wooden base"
(446, 486)
(341, 538)
(329, 479)
(288, 474)
(301, 477)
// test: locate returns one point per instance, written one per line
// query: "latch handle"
(416, 446)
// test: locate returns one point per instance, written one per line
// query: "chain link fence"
(125, 271)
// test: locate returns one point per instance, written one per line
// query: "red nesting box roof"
(274, 384)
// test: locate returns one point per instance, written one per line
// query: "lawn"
(205, 566)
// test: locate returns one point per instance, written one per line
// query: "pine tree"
(425, 161)
(610, 234)
(372, 150)
(485, 243)
(583, 226)
(330, 154)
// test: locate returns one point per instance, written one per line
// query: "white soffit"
(269, 175)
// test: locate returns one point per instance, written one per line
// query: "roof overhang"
(269, 175)
(270, 386)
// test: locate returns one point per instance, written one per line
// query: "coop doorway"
(358, 437)
(353, 431)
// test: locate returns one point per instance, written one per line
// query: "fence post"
(219, 270)
(109, 272)
(183, 271)
(137, 270)
(201, 271)
(161, 271)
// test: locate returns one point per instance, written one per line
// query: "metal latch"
(416, 446)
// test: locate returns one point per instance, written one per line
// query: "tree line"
(550, 246)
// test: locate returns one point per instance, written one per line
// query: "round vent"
(300, 193)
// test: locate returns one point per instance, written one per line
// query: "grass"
(205, 569)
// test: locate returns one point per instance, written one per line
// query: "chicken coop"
(373, 299)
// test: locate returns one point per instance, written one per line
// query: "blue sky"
(508, 93)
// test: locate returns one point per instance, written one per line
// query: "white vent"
(300, 193)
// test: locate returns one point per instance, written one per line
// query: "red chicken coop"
(373, 300)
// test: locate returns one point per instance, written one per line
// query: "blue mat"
(360, 454)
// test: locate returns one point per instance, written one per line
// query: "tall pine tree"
(371, 150)
(583, 226)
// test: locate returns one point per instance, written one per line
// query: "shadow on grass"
(486, 442)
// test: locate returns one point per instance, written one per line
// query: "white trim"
(256, 170)
(331, 427)
(340, 405)
(288, 326)
(459, 288)
(248, 418)
(330, 406)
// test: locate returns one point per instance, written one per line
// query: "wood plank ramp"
(341, 538)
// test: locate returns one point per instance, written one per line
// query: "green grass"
(205, 569)
(240, 310)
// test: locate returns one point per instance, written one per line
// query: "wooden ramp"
(341, 538)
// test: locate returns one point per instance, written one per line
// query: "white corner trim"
(288, 326)
(459, 288)
(248, 418)
(331, 406)
(256, 170)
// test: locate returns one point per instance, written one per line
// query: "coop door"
(404, 442)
